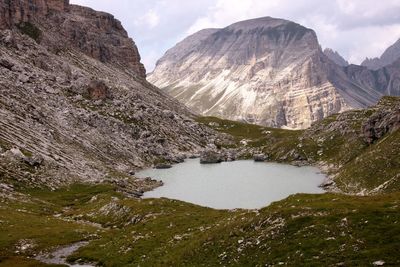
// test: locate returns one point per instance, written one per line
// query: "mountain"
(75, 104)
(266, 71)
(390, 55)
(335, 57)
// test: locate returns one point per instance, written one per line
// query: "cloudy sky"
(355, 28)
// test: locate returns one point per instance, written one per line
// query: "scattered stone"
(23, 78)
(378, 263)
(34, 161)
(16, 153)
(6, 64)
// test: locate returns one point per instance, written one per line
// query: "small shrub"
(31, 30)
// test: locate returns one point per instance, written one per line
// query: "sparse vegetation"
(31, 30)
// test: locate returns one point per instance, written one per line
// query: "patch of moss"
(31, 30)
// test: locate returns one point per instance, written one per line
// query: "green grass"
(255, 135)
(317, 230)
(379, 164)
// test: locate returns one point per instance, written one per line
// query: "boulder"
(260, 157)
(163, 166)
(97, 90)
(34, 161)
(210, 156)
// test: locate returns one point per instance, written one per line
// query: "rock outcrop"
(266, 71)
(76, 114)
(390, 55)
(16, 12)
(60, 26)
(385, 120)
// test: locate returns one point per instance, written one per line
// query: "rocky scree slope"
(75, 103)
(267, 71)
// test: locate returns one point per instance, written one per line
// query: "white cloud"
(356, 28)
(150, 20)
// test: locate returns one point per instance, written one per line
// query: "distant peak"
(391, 54)
(335, 57)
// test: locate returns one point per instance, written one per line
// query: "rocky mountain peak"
(335, 57)
(257, 70)
(268, 71)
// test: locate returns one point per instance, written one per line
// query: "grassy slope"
(318, 230)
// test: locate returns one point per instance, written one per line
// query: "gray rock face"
(384, 121)
(390, 55)
(76, 116)
(335, 57)
(265, 71)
